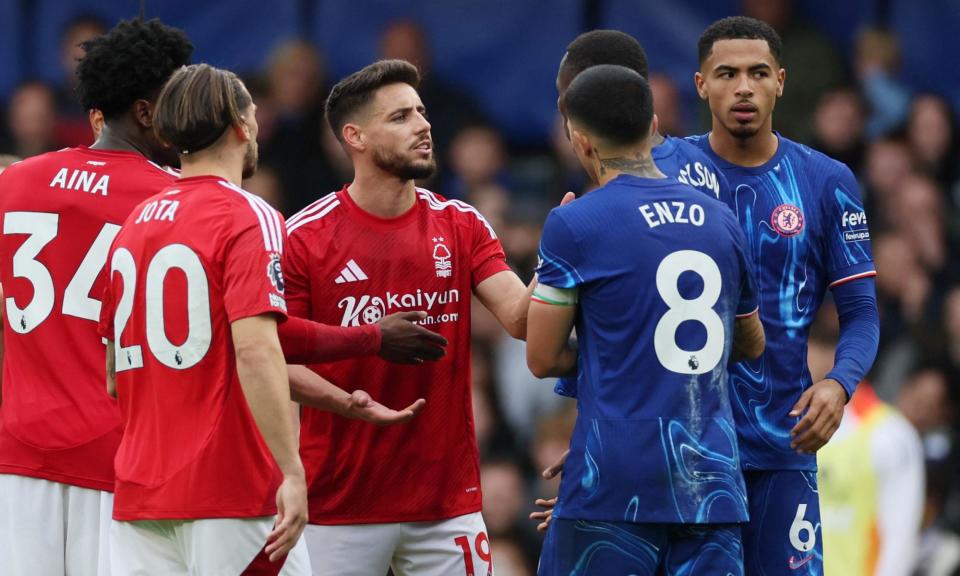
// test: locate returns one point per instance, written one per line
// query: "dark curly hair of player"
(739, 28)
(130, 62)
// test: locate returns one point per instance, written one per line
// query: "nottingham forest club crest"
(441, 257)
(787, 220)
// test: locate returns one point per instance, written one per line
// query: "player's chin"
(742, 131)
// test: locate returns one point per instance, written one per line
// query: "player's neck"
(119, 138)
(211, 165)
(637, 163)
(748, 152)
(382, 196)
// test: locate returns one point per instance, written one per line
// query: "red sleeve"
(296, 276)
(252, 275)
(487, 254)
(308, 342)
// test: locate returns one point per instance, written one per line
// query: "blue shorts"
(583, 547)
(783, 535)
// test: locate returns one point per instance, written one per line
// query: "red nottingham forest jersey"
(60, 213)
(187, 263)
(345, 266)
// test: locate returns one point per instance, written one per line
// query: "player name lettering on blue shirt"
(657, 213)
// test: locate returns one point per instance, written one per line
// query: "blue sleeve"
(859, 332)
(559, 254)
(566, 386)
(847, 238)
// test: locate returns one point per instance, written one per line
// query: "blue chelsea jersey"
(685, 162)
(806, 231)
(661, 273)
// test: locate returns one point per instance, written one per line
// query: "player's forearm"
(521, 309)
(111, 369)
(748, 338)
(307, 342)
(562, 363)
(310, 389)
(263, 377)
(859, 332)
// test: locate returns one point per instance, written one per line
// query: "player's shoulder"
(816, 162)
(458, 211)
(315, 216)
(28, 166)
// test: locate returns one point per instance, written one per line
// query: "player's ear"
(581, 142)
(654, 126)
(354, 137)
(143, 113)
(781, 78)
(698, 81)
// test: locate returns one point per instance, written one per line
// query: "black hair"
(605, 47)
(357, 90)
(130, 62)
(613, 102)
(739, 28)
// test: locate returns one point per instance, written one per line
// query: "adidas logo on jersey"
(350, 273)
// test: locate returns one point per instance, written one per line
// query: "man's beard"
(250, 160)
(405, 169)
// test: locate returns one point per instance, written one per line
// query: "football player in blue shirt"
(675, 157)
(654, 275)
(806, 231)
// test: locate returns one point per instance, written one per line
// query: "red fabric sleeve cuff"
(307, 342)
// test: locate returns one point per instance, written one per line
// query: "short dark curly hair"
(605, 47)
(130, 62)
(739, 28)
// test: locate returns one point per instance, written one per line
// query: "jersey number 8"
(699, 309)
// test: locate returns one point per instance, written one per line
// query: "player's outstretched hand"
(544, 517)
(822, 408)
(291, 517)
(404, 342)
(554, 470)
(362, 407)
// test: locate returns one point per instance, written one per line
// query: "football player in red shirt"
(59, 431)
(406, 497)
(209, 480)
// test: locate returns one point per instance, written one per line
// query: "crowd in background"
(902, 146)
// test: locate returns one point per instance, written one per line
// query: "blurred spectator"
(877, 63)
(667, 102)
(926, 401)
(477, 157)
(571, 177)
(31, 117)
(265, 183)
(505, 495)
(449, 109)
(871, 482)
(509, 558)
(939, 547)
(931, 132)
(73, 128)
(293, 120)
(917, 211)
(888, 162)
(951, 316)
(838, 124)
(812, 64)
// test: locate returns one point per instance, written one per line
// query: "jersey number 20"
(699, 309)
(199, 333)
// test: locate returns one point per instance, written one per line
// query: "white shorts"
(214, 547)
(52, 529)
(454, 547)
